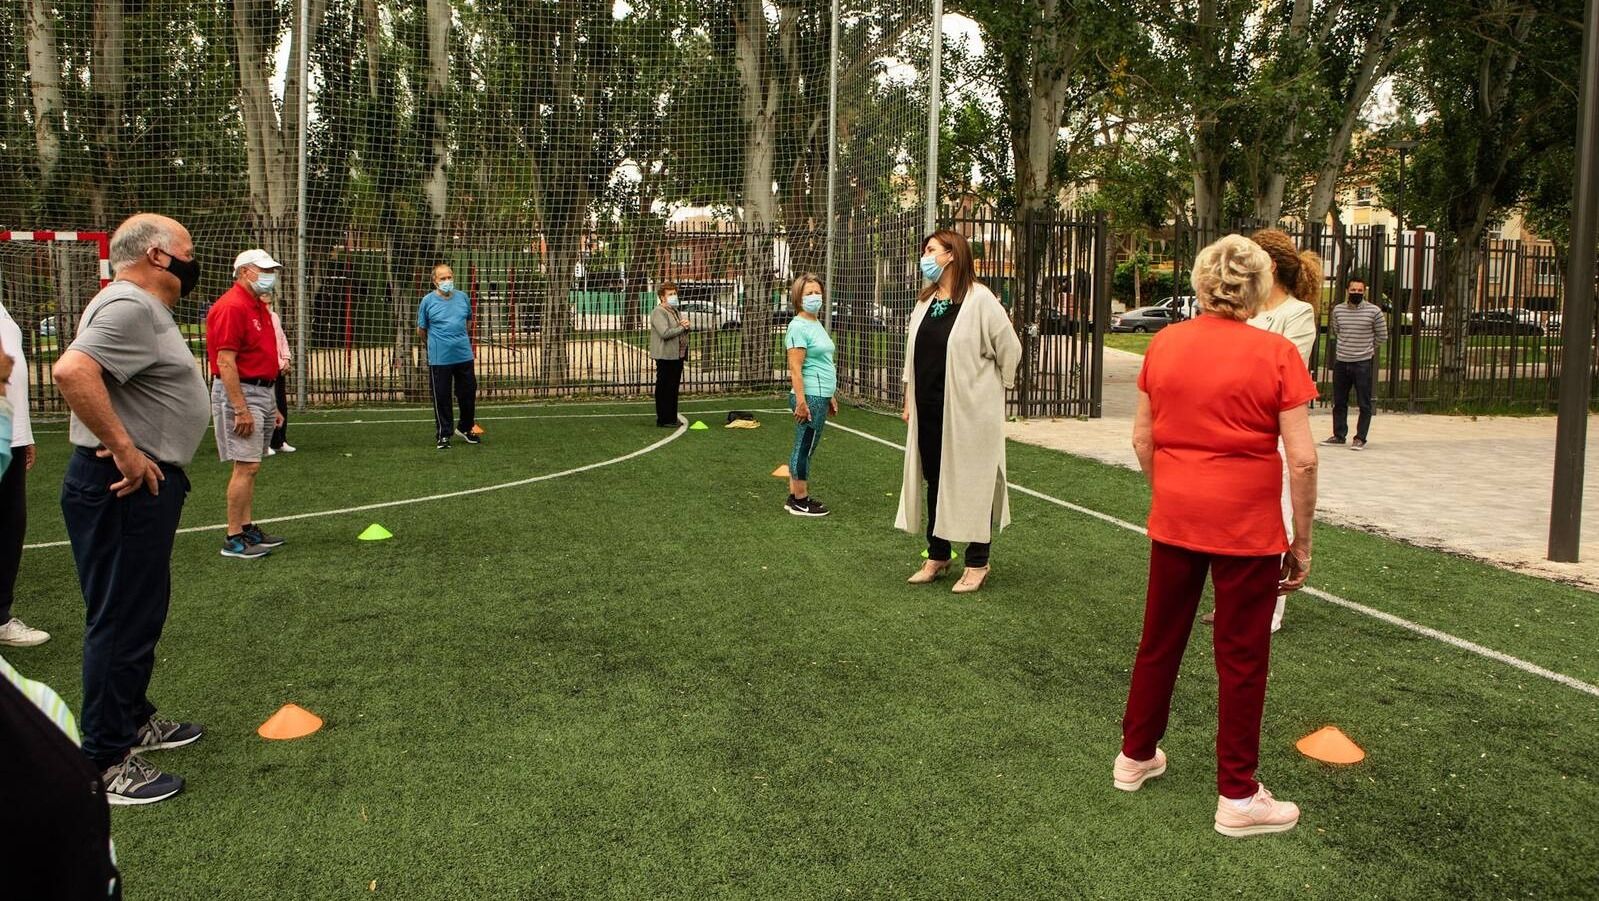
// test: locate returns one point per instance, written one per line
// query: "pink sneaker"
(1263, 815)
(1130, 775)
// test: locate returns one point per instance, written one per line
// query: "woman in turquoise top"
(814, 382)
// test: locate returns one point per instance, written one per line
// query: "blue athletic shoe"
(239, 546)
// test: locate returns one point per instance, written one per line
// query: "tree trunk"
(435, 120)
(44, 77)
(1376, 62)
(764, 87)
(108, 82)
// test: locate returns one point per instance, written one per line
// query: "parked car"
(47, 326)
(707, 316)
(876, 318)
(1502, 322)
(1187, 305)
(1055, 322)
(1143, 319)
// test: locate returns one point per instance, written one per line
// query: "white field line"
(303, 424)
(678, 433)
(1389, 618)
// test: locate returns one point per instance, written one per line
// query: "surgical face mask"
(931, 268)
(811, 303)
(447, 286)
(265, 282)
(671, 300)
(187, 272)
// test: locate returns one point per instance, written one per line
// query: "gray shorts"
(263, 404)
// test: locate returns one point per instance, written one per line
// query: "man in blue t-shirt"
(443, 319)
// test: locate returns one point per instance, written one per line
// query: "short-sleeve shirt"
(150, 373)
(818, 372)
(241, 322)
(446, 319)
(1216, 387)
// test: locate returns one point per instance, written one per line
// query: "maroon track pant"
(1246, 592)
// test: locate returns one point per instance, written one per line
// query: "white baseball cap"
(258, 258)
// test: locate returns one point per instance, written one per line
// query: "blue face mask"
(931, 269)
(447, 287)
(265, 282)
(671, 300)
(811, 303)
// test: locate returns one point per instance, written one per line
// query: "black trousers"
(457, 380)
(668, 379)
(13, 525)
(123, 550)
(930, 444)
(55, 818)
(280, 435)
(1357, 375)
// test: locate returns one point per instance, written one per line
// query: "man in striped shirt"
(1358, 328)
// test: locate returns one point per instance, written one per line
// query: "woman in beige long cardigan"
(960, 356)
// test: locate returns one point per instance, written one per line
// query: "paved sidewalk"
(1478, 486)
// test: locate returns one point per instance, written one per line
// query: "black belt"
(93, 453)
(259, 383)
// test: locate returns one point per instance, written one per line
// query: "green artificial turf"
(645, 680)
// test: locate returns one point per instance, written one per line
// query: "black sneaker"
(444, 444)
(136, 781)
(1360, 444)
(160, 734)
(471, 438)
(254, 535)
(817, 507)
(1334, 440)
(238, 546)
(803, 507)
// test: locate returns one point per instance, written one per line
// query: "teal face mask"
(811, 303)
(5, 429)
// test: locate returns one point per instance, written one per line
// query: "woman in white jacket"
(960, 356)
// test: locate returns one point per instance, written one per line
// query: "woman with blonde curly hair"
(1295, 275)
(1215, 396)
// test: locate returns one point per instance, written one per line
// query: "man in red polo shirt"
(243, 351)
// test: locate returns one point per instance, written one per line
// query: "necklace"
(940, 307)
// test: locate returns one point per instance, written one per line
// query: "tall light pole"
(1404, 147)
(1571, 435)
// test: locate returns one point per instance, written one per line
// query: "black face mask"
(1357, 298)
(187, 272)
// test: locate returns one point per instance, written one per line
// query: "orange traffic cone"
(477, 429)
(781, 472)
(291, 721)
(1329, 745)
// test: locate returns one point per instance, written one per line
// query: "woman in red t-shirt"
(1215, 396)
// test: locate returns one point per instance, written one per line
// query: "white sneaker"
(271, 452)
(287, 448)
(18, 634)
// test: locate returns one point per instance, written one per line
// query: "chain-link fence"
(564, 156)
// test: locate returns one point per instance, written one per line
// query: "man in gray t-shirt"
(139, 409)
(151, 377)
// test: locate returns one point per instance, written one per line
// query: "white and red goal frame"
(101, 241)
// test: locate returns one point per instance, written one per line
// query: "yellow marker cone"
(1329, 745)
(953, 555)
(375, 532)
(291, 721)
(781, 472)
(698, 426)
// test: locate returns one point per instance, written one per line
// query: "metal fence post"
(1571, 436)
(302, 313)
(828, 272)
(1101, 319)
(934, 87)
